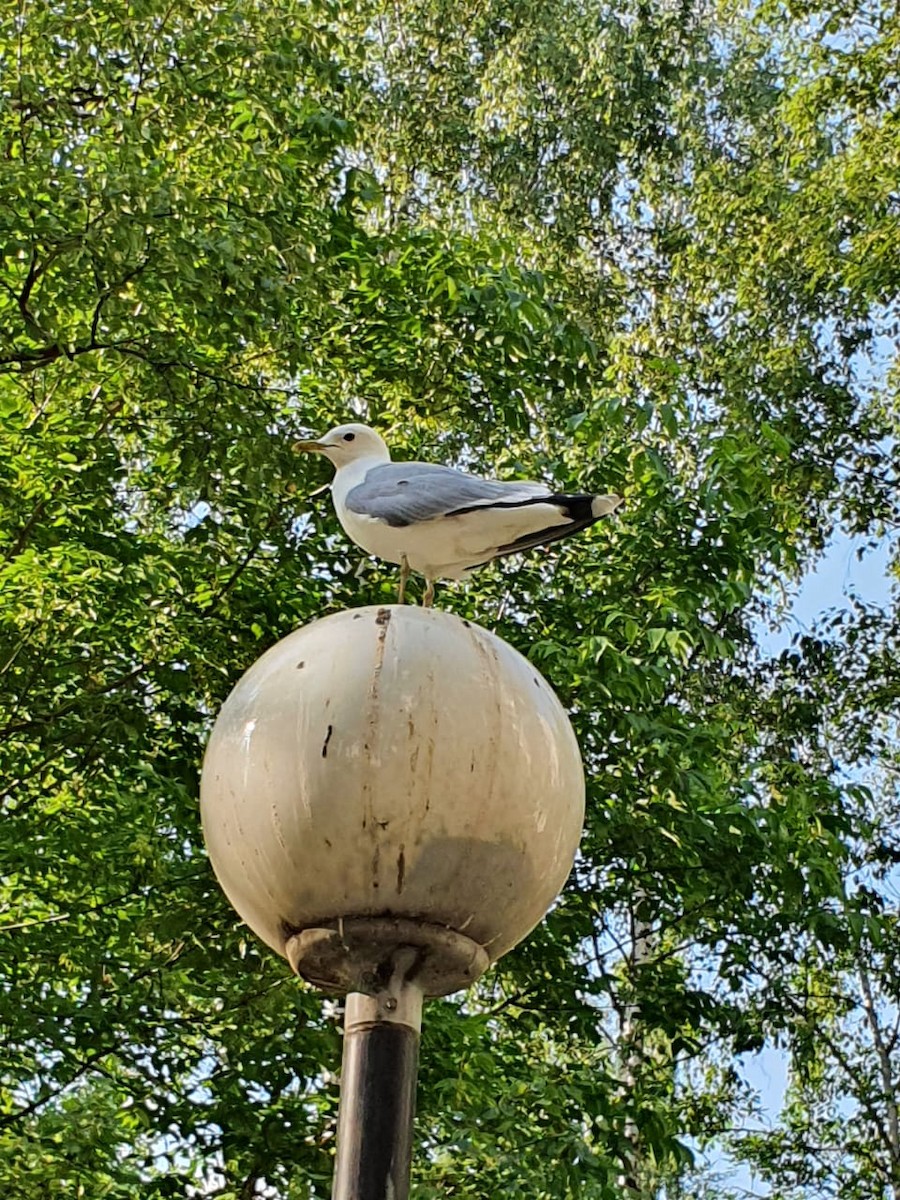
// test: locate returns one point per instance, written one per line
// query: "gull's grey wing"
(407, 493)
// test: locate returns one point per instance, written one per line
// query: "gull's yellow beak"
(308, 447)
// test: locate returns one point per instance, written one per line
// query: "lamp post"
(391, 798)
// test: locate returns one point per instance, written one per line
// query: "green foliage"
(641, 250)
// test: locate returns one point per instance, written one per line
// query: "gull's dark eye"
(348, 437)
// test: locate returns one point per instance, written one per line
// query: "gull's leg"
(428, 598)
(404, 576)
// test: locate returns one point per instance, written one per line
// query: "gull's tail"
(582, 511)
(602, 506)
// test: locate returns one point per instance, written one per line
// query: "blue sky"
(846, 567)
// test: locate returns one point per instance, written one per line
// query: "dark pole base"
(378, 1094)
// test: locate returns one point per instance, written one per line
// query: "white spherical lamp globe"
(392, 776)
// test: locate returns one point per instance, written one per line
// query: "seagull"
(435, 520)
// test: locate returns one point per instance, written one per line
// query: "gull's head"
(347, 443)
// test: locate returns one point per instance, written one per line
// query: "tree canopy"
(650, 249)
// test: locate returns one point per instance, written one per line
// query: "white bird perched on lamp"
(435, 520)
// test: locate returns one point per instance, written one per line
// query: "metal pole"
(378, 1092)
